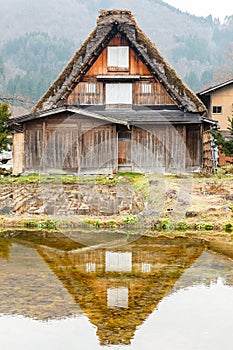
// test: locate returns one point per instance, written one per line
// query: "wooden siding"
(158, 95)
(159, 149)
(84, 145)
(98, 150)
(136, 66)
(72, 145)
(81, 94)
(193, 144)
(18, 151)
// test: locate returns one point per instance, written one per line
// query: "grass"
(211, 197)
(59, 179)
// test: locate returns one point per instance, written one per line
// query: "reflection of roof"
(145, 290)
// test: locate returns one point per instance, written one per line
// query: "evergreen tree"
(4, 128)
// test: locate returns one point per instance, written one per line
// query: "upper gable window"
(90, 87)
(217, 109)
(146, 88)
(118, 57)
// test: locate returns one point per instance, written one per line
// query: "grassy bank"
(181, 203)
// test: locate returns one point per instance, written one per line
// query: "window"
(146, 88)
(146, 267)
(217, 109)
(118, 262)
(124, 136)
(90, 267)
(117, 297)
(90, 88)
(119, 93)
(118, 57)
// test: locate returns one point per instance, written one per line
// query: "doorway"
(124, 150)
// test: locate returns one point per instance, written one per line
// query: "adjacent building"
(218, 100)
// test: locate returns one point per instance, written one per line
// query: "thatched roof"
(109, 23)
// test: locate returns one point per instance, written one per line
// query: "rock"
(191, 214)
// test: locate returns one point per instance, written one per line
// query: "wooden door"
(124, 148)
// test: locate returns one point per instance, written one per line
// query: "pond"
(112, 291)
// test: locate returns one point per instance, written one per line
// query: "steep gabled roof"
(215, 87)
(109, 23)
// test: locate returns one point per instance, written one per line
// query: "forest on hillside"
(34, 51)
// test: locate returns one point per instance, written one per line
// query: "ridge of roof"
(109, 23)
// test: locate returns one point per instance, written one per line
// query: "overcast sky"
(217, 8)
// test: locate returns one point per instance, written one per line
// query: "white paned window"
(146, 88)
(90, 88)
(146, 267)
(90, 267)
(120, 93)
(118, 262)
(118, 56)
(117, 297)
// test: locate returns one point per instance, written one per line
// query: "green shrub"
(209, 227)
(182, 226)
(166, 225)
(199, 226)
(229, 227)
(130, 219)
(97, 223)
(47, 224)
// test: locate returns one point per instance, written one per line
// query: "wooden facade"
(116, 106)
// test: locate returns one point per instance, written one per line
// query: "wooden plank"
(18, 152)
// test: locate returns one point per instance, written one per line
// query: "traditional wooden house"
(117, 106)
(218, 100)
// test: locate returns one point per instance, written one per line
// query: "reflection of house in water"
(118, 288)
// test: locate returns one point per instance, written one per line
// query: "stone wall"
(59, 199)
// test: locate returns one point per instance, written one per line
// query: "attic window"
(118, 58)
(146, 88)
(217, 109)
(90, 88)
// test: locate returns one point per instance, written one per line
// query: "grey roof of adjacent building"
(215, 87)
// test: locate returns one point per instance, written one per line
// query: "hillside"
(195, 46)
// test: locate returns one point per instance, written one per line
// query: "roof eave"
(72, 109)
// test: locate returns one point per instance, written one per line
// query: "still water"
(109, 291)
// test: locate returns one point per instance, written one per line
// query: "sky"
(218, 9)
